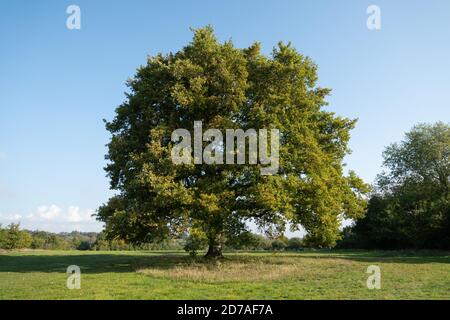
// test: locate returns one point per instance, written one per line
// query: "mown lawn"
(174, 275)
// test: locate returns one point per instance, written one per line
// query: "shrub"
(84, 245)
(14, 238)
(195, 242)
(278, 245)
(295, 244)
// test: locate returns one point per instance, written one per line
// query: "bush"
(14, 238)
(295, 244)
(278, 245)
(84, 245)
(195, 242)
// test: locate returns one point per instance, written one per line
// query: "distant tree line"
(12, 237)
(247, 241)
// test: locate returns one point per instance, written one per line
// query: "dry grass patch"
(238, 269)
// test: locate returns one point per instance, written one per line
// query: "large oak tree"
(226, 88)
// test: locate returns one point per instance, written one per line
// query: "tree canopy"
(228, 88)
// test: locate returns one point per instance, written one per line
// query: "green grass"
(174, 275)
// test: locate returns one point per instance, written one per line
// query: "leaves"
(411, 206)
(227, 88)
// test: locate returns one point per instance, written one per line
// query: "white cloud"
(12, 216)
(55, 219)
(48, 213)
(77, 215)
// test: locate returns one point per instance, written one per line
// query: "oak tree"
(228, 88)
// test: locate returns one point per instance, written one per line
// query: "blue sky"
(56, 85)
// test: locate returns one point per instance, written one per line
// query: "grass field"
(174, 275)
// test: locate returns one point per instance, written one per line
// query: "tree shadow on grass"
(88, 263)
(93, 263)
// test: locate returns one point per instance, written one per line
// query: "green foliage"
(14, 238)
(226, 87)
(84, 245)
(195, 241)
(102, 243)
(48, 241)
(278, 245)
(294, 244)
(261, 243)
(243, 241)
(411, 208)
(2, 237)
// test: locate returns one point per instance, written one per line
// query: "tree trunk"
(214, 251)
(214, 248)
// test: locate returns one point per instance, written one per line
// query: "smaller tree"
(278, 245)
(53, 242)
(84, 245)
(38, 240)
(262, 242)
(245, 240)
(2, 236)
(195, 241)
(411, 205)
(294, 244)
(101, 243)
(15, 238)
